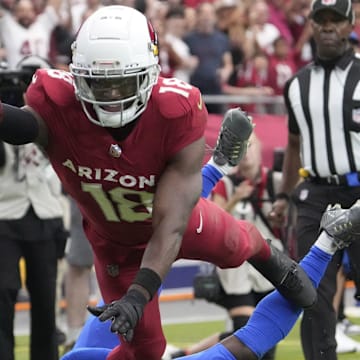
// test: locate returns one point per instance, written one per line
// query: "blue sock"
(216, 352)
(210, 176)
(275, 316)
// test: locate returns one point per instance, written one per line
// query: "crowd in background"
(234, 47)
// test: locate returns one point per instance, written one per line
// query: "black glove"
(124, 313)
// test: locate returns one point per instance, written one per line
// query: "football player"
(128, 146)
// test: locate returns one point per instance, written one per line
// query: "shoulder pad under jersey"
(176, 98)
(58, 85)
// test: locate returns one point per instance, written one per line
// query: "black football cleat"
(342, 225)
(288, 277)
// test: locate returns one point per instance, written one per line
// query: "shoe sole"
(238, 123)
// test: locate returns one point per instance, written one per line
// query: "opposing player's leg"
(275, 316)
(231, 146)
(284, 273)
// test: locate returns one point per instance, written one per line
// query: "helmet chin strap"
(113, 119)
(118, 119)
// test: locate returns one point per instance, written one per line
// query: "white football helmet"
(115, 65)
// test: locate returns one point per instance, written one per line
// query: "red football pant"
(212, 235)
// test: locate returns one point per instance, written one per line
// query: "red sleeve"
(184, 111)
(50, 87)
(51, 94)
(37, 98)
(187, 130)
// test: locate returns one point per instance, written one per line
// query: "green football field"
(182, 335)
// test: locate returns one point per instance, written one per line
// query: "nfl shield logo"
(356, 115)
(113, 270)
(115, 150)
(328, 2)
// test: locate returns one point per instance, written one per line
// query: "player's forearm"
(172, 208)
(17, 126)
(158, 257)
(162, 249)
(178, 190)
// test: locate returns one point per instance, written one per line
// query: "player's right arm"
(21, 125)
(49, 90)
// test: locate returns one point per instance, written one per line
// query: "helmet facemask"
(111, 100)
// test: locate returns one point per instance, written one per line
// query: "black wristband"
(282, 196)
(149, 280)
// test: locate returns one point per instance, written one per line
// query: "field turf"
(182, 335)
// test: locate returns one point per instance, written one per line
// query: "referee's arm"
(292, 164)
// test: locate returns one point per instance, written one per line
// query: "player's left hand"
(124, 313)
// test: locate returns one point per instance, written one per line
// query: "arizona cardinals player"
(128, 146)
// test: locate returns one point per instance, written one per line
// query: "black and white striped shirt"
(323, 103)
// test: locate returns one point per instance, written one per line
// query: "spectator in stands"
(277, 17)
(169, 59)
(23, 32)
(190, 17)
(175, 28)
(226, 14)
(297, 17)
(234, 25)
(260, 30)
(154, 9)
(281, 65)
(251, 81)
(80, 11)
(31, 226)
(213, 50)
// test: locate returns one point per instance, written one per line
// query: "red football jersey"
(112, 181)
(280, 71)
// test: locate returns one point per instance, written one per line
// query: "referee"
(323, 104)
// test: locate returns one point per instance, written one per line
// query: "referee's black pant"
(35, 240)
(318, 324)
